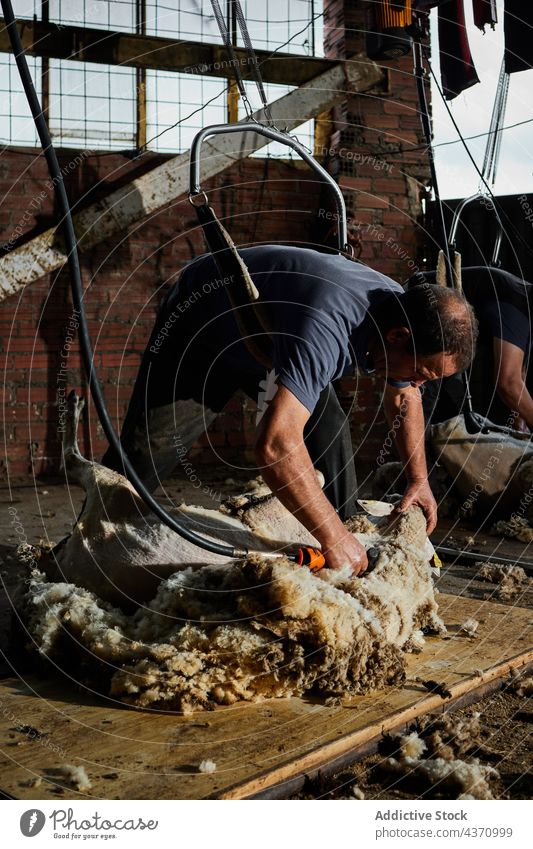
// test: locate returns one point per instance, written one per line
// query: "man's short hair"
(439, 318)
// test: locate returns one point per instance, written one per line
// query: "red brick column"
(374, 152)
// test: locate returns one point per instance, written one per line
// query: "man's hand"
(419, 492)
(346, 550)
(410, 446)
(287, 469)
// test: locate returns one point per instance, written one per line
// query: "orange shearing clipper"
(305, 556)
(310, 557)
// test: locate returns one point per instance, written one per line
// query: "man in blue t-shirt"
(328, 316)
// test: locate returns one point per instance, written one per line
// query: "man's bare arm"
(510, 384)
(287, 469)
(405, 417)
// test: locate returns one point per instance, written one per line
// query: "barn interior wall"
(366, 143)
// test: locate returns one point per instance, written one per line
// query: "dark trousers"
(156, 436)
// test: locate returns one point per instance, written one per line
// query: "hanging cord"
(234, 62)
(494, 141)
(78, 297)
(473, 421)
(252, 59)
(499, 213)
(452, 274)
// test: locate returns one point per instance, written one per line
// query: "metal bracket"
(489, 204)
(278, 136)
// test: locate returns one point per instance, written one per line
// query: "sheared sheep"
(491, 471)
(210, 631)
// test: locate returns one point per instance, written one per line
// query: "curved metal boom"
(489, 205)
(283, 138)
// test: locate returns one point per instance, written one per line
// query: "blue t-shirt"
(319, 307)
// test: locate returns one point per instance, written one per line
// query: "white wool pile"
(458, 777)
(521, 684)
(516, 528)
(36, 781)
(449, 736)
(512, 579)
(469, 627)
(207, 766)
(256, 629)
(441, 740)
(75, 776)
(409, 745)
(524, 687)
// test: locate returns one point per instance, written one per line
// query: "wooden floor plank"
(134, 755)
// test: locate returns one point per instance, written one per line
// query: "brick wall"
(374, 154)
(126, 277)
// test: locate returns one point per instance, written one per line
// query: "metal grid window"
(95, 106)
(26, 8)
(16, 123)
(286, 25)
(92, 105)
(273, 24)
(175, 97)
(117, 15)
(191, 20)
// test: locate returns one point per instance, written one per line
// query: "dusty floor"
(507, 745)
(44, 513)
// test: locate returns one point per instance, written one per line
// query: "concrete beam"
(83, 44)
(131, 203)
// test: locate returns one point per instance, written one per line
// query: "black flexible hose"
(77, 296)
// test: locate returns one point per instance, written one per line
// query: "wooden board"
(86, 44)
(255, 746)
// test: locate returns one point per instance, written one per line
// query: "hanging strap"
(249, 312)
(441, 276)
(252, 58)
(226, 38)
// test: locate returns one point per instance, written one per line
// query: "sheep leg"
(72, 460)
(110, 498)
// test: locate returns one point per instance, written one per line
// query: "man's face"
(405, 366)
(397, 362)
